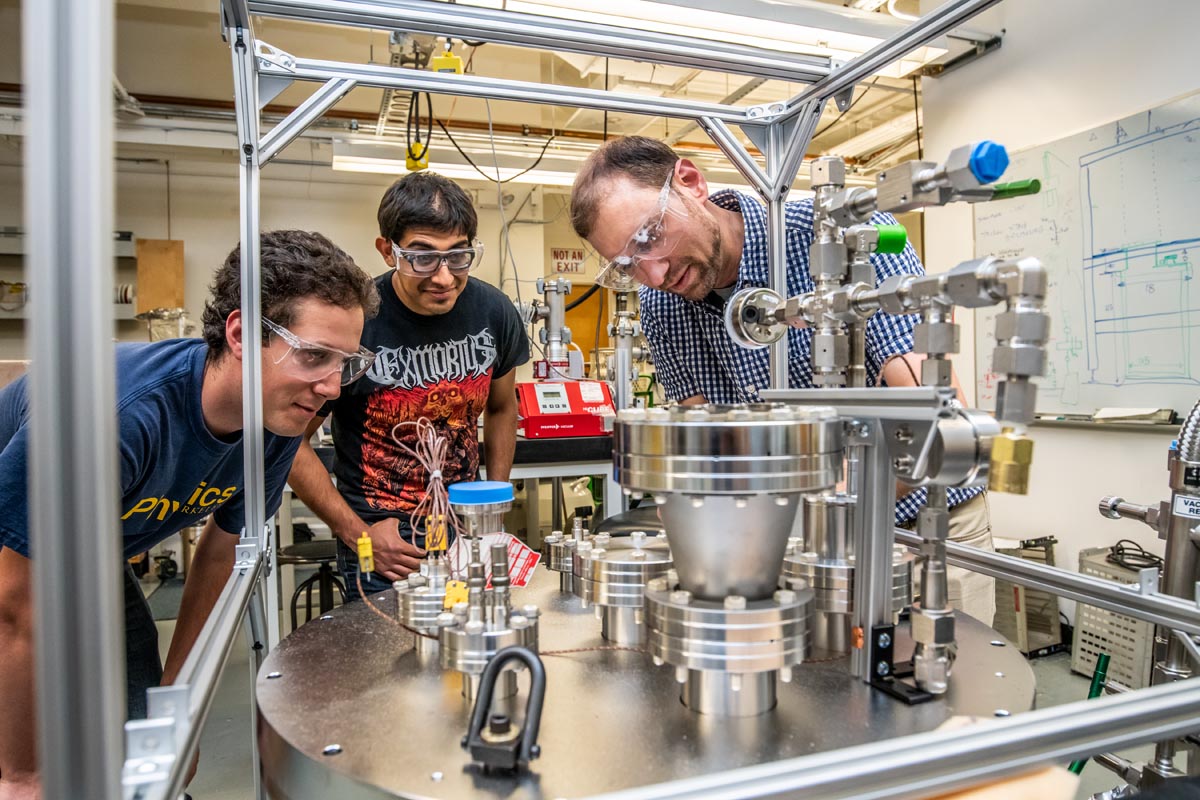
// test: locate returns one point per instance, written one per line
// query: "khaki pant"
(970, 592)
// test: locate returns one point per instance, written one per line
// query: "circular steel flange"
(616, 575)
(833, 581)
(728, 450)
(467, 647)
(735, 635)
(744, 319)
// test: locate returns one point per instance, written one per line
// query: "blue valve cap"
(988, 161)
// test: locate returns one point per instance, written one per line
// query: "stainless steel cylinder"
(729, 694)
(727, 480)
(482, 519)
(828, 526)
(612, 574)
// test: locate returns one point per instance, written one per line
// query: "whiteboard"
(1117, 225)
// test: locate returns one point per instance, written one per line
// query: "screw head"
(273, 675)
(885, 640)
(882, 669)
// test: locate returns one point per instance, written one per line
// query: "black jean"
(143, 667)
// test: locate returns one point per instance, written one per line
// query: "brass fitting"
(1012, 456)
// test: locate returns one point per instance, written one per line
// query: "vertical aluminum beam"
(67, 48)
(245, 80)
(875, 487)
(776, 151)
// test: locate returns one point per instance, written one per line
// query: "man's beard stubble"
(708, 270)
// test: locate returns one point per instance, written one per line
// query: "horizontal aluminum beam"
(412, 80)
(921, 32)
(1119, 598)
(532, 30)
(942, 760)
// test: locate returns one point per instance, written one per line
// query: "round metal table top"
(346, 710)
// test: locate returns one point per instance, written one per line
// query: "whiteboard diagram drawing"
(1116, 226)
(1139, 300)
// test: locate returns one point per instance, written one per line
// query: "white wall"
(204, 214)
(1065, 66)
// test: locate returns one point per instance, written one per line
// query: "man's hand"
(21, 789)
(394, 557)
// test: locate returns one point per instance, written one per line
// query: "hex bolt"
(658, 662)
(785, 674)
(735, 602)
(681, 597)
(681, 674)
(785, 597)
(735, 682)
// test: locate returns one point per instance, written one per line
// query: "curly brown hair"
(294, 265)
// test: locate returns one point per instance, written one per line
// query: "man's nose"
(329, 387)
(443, 278)
(652, 271)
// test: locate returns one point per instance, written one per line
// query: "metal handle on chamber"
(496, 750)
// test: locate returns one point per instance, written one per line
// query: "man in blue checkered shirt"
(649, 214)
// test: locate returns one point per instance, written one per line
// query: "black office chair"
(323, 553)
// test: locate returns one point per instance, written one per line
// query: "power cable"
(497, 179)
(413, 126)
(1132, 556)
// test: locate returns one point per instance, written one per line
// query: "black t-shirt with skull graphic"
(438, 367)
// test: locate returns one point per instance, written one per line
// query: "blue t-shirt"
(174, 471)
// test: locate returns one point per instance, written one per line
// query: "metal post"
(777, 251)
(256, 633)
(67, 48)
(873, 525)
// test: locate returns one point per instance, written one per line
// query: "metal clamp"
(247, 552)
(271, 56)
(152, 745)
(886, 675)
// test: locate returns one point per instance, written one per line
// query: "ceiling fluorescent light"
(717, 25)
(388, 159)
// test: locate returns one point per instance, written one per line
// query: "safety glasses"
(313, 362)
(650, 241)
(423, 263)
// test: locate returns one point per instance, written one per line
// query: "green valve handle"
(1003, 191)
(892, 238)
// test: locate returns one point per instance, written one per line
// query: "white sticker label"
(1186, 506)
(590, 392)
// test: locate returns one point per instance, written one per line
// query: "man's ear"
(690, 180)
(233, 333)
(385, 249)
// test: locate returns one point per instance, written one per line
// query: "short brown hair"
(294, 265)
(645, 161)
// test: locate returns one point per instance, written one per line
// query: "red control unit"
(550, 409)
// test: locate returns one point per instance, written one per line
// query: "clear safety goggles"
(313, 362)
(650, 241)
(423, 263)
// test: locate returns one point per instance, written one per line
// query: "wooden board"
(159, 274)
(582, 319)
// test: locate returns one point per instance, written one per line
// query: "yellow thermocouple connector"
(435, 533)
(366, 559)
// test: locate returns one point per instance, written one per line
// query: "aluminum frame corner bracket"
(247, 552)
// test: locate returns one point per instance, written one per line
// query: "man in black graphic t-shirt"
(446, 349)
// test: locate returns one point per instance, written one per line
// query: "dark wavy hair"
(295, 265)
(426, 200)
(643, 160)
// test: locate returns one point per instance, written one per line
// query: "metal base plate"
(353, 681)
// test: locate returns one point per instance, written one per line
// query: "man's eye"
(314, 357)
(425, 261)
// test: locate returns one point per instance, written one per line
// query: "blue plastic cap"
(475, 493)
(988, 161)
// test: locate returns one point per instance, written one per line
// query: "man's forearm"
(311, 483)
(18, 755)
(500, 436)
(207, 576)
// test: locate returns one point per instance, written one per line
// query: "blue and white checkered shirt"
(693, 354)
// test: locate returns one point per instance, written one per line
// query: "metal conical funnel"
(728, 480)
